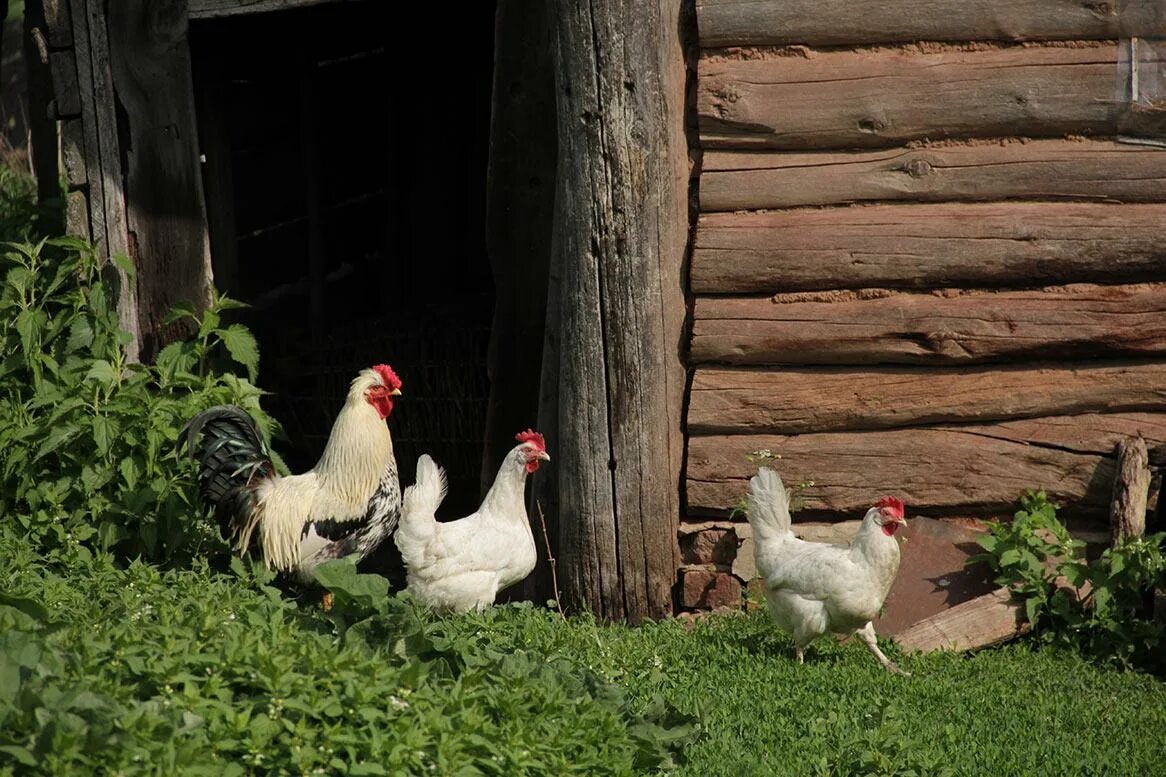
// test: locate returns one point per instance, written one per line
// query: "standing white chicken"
(461, 565)
(814, 588)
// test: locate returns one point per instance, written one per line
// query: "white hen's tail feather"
(767, 506)
(418, 510)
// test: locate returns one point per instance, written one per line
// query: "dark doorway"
(345, 156)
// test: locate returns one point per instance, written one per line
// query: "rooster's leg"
(870, 639)
(801, 654)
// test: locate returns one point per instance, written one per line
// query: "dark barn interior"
(344, 167)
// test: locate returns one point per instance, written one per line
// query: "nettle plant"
(87, 439)
(1106, 607)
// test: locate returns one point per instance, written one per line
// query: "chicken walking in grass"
(814, 588)
(461, 565)
(346, 505)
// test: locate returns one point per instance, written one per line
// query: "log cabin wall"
(925, 262)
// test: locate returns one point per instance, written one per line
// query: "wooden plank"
(620, 233)
(867, 99)
(73, 152)
(951, 469)
(977, 623)
(851, 22)
(58, 23)
(948, 327)
(77, 214)
(1034, 170)
(928, 246)
(66, 97)
(107, 216)
(167, 219)
(806, 399)
(213, 9)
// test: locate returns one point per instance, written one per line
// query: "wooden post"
(165, 214)
(1131, 487)
(619, 241)
(519, 208)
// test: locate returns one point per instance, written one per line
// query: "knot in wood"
(870, 126)
(917, 168)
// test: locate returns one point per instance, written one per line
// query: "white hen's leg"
(801, 654)
(870, 639)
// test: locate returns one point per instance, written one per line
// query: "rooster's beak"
(543, 455)
(395, 393)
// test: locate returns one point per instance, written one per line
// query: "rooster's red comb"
(533, 437)
(894, 503)
(392, 382)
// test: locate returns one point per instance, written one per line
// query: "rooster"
(461, 565)
(345, 505)
(813, 588)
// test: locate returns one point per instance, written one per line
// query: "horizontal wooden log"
(1035, 170)
(966, 469)
(867, 99)
(849, 22)
(929, 246)
(951, 327)
(977, 623)
(212, 9)
(808, 399)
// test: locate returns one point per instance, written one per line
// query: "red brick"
(711, 546)
(705, 589)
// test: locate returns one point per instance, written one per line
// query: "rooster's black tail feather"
(232, 459)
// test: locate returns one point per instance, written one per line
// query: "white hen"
(461, 565)
(813, 588)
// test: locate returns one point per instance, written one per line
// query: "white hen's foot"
(870, 639)
(801, 655)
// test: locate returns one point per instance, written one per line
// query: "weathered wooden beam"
(66, 98)
(928, 246)
(852, 22)
(213, 9)
(166, 215)
(797, 400)
(1131, 489)
(620, 233)
(948, 327)
(977, 623)
(867, 99)
(1035, 170)
(106, 198)
(972, 468)
(58, 23)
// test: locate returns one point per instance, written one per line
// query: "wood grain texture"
(73, 152)
(66, 98)
(851, 22)
(1034, 170)
(965, 469)
(1131, 490)
(868, 99)
(875, 326)
(213, 9)
(928, 246)
(620, 232)
(164, 199)
(58, 23)
(977, 623)
(107, 207)
(805, 399)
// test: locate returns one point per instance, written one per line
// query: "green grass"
(1014, 710)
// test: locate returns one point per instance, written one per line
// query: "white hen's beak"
(395, 393)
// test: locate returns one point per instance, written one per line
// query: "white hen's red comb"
(894, 503)
(392, 382)
(533, 437)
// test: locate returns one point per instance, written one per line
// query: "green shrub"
(87, 438)
(1104, 609)
(143, 671)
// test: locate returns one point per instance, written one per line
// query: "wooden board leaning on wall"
(966, 468)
